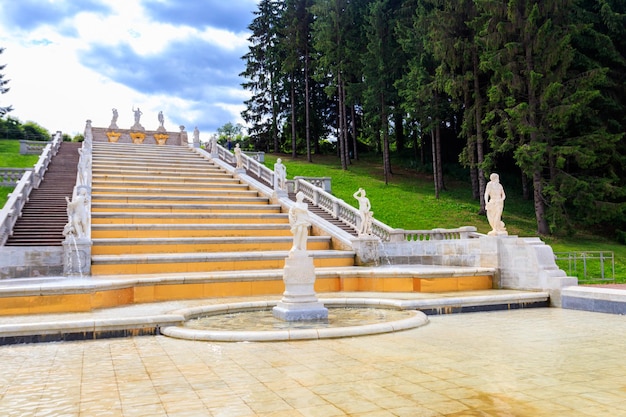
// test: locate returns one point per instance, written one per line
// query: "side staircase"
(166, 210)
(45, 214)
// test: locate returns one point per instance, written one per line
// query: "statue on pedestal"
(196, 137)
(78, 218)
(494, 203)
(280, 175)
(238, 157)
(299, 221)
(137, 125)
(113, 124)
(367, 216)
(161, 118)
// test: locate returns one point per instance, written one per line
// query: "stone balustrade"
(29, 180)
(9, 177)
(32, 147)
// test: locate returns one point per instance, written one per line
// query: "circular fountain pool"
(253, 321)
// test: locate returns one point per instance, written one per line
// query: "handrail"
(349, 215)
(341, 210)
(14, 205)
(29, 181)
(9, 177)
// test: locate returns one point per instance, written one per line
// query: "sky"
(73, 60)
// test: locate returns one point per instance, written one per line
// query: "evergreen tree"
(330, 33)
(382, 64)
(424, 99)
(263, 73)
(3, 89)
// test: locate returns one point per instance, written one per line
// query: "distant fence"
(588, 266)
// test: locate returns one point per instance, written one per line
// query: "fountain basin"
(411, 320)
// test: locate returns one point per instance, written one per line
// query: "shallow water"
(263, 320)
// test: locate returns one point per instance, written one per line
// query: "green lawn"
(10, 158)
(10, 155)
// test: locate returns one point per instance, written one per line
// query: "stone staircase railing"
(348, 214)
(9, 177)
(317, 191)
(29, 181)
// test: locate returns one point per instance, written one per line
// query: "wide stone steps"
(184, 208)
(168, 210)
(209, 262)
(187, 218)
(104, 246)
(182, 192)
(169, 169)
(188, 230)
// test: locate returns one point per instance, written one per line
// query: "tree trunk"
(471, 142)
(294, 142)
(355, 152)
(525, 189)
(307, 115)
(385, 130)
(540, 208)
(440, 183)
(341, 139)
(435, 169)
(478, 119)
(399, 131)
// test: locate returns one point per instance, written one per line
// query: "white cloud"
(51, 84)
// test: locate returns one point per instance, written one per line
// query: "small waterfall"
(385, 259)
(69, 255)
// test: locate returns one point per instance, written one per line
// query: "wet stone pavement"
(536, 362)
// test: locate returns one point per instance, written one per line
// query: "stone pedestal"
(113, 136)
(137, 137)
(77, 257)
(161, 138)
(367, 249)
(299, 302)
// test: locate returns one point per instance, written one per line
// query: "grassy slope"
(10, 158)
(408, 202)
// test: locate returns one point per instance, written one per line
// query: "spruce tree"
(3, 89)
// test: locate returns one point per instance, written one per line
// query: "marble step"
(103, 246)
(122, 231)
(205, 262)
(182, 218)
(184, 208)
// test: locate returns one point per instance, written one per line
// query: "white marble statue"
(196, 137)
(114, 120)
(280, 175)
(88, 136)
(161, 118)
(214, 145)
(494, 203)
(299, 221)
(238, 157)
(367, 216)
(137, 115)
(84, 167)
(77, 215)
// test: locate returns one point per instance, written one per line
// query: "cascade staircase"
(165, 209)
(45, 214)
